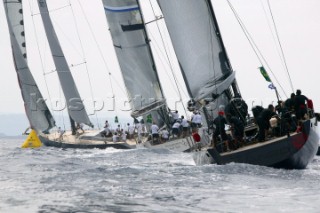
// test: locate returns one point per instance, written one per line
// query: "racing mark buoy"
(32, 141)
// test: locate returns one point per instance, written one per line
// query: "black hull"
(57, 144)
(293, 152)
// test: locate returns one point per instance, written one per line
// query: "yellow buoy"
(32, 141)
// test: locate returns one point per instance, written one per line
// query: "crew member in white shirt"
(154, 132)
(176, 129)
(185, 127)
(165, 135)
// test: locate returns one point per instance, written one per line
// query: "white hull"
(186, 144)
(177, 145)
(93, 139)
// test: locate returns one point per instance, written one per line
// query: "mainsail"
(135, 57)
(36, 109)
(196, 40)
(75, 105)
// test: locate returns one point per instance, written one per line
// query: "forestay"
(36, 109)
(135, 58)
(75, 105)
(200, 52)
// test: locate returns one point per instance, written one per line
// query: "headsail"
(135, 57)
(75, 105)
(37, 111)
(196, 40)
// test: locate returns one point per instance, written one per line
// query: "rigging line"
(98, 46)
(162, 40)
(273, 37)
(41, 59)
(157, 49)
(283, 56)
(253, 45)
(84, 56)
(57, 26)
(60, 8)
(48, 73)
(167, 55)
(179, 86)
(110, 77)
(160, 53)
(157, 18)
(63, 122)
(62, 111)
(165, 62)
(117, 83)
(78, 64)
(61, 29)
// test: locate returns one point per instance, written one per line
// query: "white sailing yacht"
(132, 46)
(38, 114)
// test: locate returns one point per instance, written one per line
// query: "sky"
(84, 36)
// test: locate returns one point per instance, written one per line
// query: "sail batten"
(121, 9)
(38, 114)
(76, 108)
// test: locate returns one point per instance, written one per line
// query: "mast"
(132, 46)
(162, 111)
(149, 47)
(76, 108)
(37, 112)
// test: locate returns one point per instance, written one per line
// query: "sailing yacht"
(140, 74)
(39, 116)
(211, 83)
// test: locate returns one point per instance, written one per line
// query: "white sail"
(36, 109)
(135, 57)
(75, 104)
(198, 46)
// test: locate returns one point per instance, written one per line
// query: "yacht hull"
(85, 145)
(178, 145)
(295, 151)
(90, 141)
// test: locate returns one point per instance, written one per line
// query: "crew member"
(263, 122)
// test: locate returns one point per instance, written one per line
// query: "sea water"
(143, 180)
